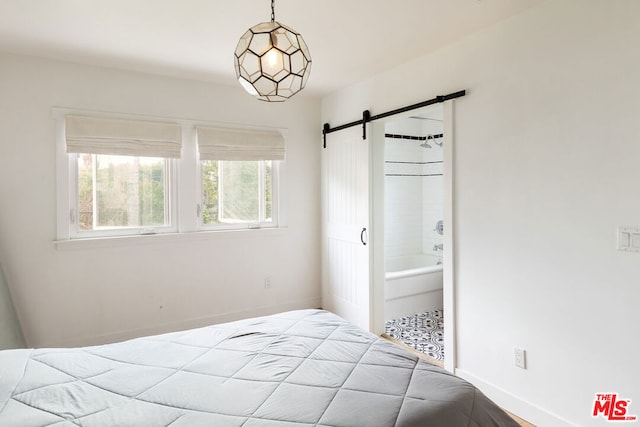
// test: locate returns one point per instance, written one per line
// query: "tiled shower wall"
(413, 205)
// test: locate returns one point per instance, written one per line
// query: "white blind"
(237, 144)
(98, 135)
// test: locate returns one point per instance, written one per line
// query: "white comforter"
(301, 368)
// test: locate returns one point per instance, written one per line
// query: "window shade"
(236, 144)
(97, 135)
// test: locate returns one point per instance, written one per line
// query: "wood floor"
(414, 351)
(433, 361)
(519, 420)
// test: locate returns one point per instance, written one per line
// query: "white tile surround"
(413, 205)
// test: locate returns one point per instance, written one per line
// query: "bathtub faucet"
(439, 247)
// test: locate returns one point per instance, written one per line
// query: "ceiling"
(349, 40)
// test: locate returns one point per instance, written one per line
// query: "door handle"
(362, 234)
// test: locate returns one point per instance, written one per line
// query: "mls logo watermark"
(611, 408)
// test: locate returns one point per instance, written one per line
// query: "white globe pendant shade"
(272, 61)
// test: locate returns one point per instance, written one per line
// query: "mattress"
(294, 369)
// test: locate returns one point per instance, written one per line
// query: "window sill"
(152, 239)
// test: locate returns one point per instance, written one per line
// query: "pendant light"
(272, 61)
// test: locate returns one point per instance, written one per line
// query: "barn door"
(346, 284)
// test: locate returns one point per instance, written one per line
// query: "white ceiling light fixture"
(272, 61)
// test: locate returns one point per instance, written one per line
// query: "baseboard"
(508, 401)
(191, 323)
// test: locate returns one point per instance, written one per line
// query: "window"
(239, 177)
(119, 177)
(121, 192)
(237, 193)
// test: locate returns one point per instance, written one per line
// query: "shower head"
(426, 142)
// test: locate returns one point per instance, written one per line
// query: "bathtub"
(413, 284)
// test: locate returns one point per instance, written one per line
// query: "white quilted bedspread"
(300, 368)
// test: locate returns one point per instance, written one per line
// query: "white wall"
(10, 332)
(88, 294)
(546, 168)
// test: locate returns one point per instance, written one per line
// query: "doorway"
(412, 167)
(413, 235)
(414, 228)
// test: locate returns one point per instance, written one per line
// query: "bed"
(294, 369)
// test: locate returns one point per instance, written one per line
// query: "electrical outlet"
(267, 283)
(520, 357)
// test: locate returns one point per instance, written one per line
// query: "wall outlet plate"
(519, 357)
(629, 239)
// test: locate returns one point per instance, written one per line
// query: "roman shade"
(99, 135)
(239, 144)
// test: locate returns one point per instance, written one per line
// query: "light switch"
(629, 239)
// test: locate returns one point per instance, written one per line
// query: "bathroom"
(414, 230)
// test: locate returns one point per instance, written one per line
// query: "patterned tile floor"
(423, 332)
